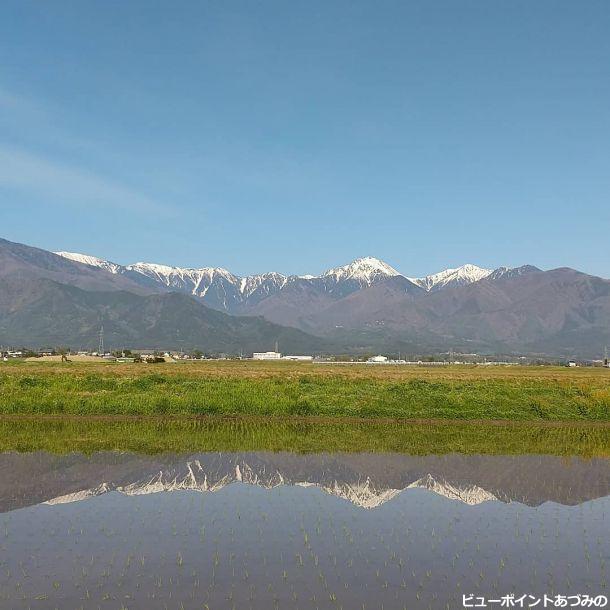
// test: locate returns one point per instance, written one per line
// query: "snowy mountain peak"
(468, 494)
(510, 272)
(466, 274)
(160, 270)
(364, 270)
(92, 261)
(165, 271)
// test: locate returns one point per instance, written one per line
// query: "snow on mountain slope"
(361, 273)
(363, 270)
(471, 494)
(169, 275)
(466, 274)
(265, 283)
(223, 290)
(195, 477)
(92, 261)
(510, 272)
(78, 496)
(193, 281)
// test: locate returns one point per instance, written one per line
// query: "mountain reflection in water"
(261, 531)
(366, 480)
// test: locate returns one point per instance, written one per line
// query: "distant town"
(148, 356)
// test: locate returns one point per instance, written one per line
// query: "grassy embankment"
(305, 390)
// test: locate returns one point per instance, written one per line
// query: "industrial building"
(266, 356)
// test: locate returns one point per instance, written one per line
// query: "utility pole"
(100, 349)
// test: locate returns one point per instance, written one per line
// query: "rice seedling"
(150, 436)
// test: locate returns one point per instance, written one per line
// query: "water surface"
(279, 530)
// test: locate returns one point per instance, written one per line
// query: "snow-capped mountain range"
(466, 274)
(363, 307)
(364, 493)
(221, 289)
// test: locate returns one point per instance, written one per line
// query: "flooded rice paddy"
(268, 530)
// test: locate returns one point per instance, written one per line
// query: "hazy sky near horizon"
(297, 136)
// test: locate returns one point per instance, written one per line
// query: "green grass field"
(233, 388)
(185, 435)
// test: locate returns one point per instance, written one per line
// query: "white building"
(266, 356)
(378, 359)
(298, 358)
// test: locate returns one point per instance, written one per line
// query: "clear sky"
(295, 136)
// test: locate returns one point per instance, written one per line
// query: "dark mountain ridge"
(46, 299)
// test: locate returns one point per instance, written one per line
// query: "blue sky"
(298, 136)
